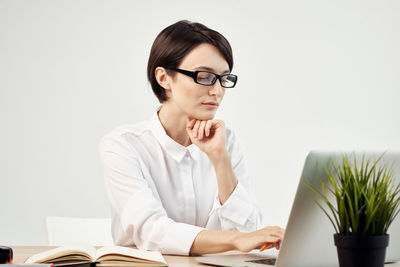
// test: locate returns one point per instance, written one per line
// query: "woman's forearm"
(210, 241)
(226, 177)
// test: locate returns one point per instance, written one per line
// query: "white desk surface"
(21, 253)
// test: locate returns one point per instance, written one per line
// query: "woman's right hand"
(246, 242)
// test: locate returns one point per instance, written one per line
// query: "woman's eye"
(205, 78)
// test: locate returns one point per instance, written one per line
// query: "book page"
(84, 253)
(115, 252)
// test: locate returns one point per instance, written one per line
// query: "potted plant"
(361, 199)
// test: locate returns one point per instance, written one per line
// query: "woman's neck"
(174, 122)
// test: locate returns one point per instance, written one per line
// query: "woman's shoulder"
(133, 129)
(126, 133)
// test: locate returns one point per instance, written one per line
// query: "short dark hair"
(174, 42)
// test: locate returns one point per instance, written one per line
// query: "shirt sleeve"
(138, 215)
(240, 212)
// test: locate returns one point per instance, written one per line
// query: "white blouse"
(163, 194)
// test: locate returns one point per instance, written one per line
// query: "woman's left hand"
(209, 136)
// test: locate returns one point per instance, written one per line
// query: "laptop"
(309, 233)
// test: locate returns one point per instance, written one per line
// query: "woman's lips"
(211, 105)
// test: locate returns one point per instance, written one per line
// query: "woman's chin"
(203, 116)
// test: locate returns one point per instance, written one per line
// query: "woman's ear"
(162, 78)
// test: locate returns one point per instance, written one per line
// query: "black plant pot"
(361, 251)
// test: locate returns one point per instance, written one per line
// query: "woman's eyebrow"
(209, 69)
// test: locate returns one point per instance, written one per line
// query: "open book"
(105, 256)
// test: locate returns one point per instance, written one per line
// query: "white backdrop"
(312, 75)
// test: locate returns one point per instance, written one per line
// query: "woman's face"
(196, 100)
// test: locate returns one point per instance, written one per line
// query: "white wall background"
(312, 75)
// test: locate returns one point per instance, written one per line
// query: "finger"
(275, 231)
(278, 229)
(276, 237)
(208, 127)
(201, 129)
(218, 123)
(280, 233)
(276, 234)
(195, 129)
(190, 122)
(272, 239)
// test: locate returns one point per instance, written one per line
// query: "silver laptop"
(309, 233)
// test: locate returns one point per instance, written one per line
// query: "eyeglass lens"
(207, 78)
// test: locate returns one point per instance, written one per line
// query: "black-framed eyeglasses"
(209, 78)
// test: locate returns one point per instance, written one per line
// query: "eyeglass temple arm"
(186, 72)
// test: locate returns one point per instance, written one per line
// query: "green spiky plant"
(366, 198)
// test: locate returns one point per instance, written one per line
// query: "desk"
(22, 253)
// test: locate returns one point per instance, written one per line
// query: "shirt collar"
(174, 149)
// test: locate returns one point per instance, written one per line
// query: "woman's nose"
(216, 89)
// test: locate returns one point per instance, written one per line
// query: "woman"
(178, 183)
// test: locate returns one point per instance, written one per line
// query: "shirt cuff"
(237, 207)
(179, 238)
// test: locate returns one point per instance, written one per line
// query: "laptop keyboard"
(264, 261)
